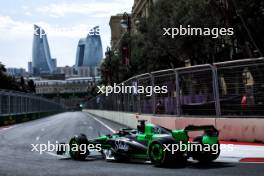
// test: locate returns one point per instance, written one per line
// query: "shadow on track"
(212, 165)
(88, 159)
(197, 165)
(188, 164)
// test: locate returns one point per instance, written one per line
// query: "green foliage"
(163, 52)
(252, 13)
(151, 50)
(7, 82)
(10, 83)
(113, 70)
(31, 87)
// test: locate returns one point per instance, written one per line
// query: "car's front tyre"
(77, 151)
(157, 155)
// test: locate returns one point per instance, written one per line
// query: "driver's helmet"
(141, 126)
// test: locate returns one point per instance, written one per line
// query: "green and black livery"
(148, 142)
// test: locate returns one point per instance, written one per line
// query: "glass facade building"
(41, 58)
(89, 50)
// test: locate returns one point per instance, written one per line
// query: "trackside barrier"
(16, 107)
(228, 94)
(232, 128)
(234, 88)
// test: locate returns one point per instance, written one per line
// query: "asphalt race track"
(16, 157)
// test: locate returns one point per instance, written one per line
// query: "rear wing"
(208, 129)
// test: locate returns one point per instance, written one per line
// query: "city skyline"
(65, 23)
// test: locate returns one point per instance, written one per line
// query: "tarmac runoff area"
(16, 157)
(245, 152)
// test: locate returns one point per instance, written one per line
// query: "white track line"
(228, 159)
(58, 156)
(6, 128)
(108, 127)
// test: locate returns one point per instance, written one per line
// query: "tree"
(2, 68)
(7, 82)
(22, 84)
(163, 52)
(31, 86)
(248, 20)
(151, 50)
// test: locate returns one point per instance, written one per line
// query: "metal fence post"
(139, 101)
(1, 111)
(178, 100)
(8, 105)
(21, 104)
(26, 104)
(153, 93)
(216, 91)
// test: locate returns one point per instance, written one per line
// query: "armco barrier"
(17, 107)
(237, 129)
(15, 119)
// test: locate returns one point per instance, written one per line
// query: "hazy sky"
(64, 21)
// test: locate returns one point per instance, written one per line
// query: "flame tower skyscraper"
(41, 58)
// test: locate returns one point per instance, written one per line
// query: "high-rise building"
(16, 72)
(54, 63)
(116, 30)
(41, 59)
(89, 50)
(30, 69)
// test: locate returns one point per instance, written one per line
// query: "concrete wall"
(238, 129)
(128, 119)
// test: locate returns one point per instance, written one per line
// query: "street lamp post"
(108, 55)
(126, 24)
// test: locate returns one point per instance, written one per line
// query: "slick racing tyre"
(78, 147)
(205, 156)
(163, 158)
(61, 150)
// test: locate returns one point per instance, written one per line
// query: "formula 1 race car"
(150, 142)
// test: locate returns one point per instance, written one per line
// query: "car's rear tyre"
(205, 156)
(76, 151)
